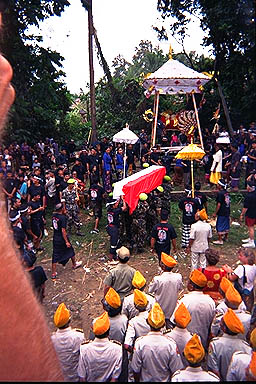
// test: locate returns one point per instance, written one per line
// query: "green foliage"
(41, 95)
(230, 32)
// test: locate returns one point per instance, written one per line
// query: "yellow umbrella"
(191, 152)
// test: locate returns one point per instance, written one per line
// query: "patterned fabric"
(185, 235)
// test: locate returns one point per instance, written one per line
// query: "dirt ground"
(82, 289)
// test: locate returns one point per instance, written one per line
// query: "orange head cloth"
(112, 298)
(253, 338)
(203, 215)
(225, 284)
(198, 278)
(156, 317)
(138, 280)
(101, 324)
(252, 365)
(182, 316)
(167, 260)
(140, 299)
(61, 316)
(194, 351)
(233, 322)
(233, 296)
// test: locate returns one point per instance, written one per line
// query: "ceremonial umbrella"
(125, 136)
(191, 152)
(172, 78)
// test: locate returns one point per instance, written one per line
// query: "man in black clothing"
(80, 169)
(113, 213)
(37, 220)
(200, 197)
(163, 234)
(9, 188)
(249, 211)
(189, 206)
(96, 193)
(93, 165)
(36, 188)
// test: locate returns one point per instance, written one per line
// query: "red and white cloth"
(143, 181)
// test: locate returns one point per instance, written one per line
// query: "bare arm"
(22, 319)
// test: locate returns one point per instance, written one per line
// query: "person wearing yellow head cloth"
(128, 308)
(221, 349)
(67, 341)
(233, 301)
(179, 333)
(100, 359)
(201, 307)
(194, 354)
(118, 322)
(168, 281)
(241, 360)
(155, 356)
(222, 306)
(200, 233)
(138, 325)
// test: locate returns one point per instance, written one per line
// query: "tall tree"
(229, 28)
(41, 94)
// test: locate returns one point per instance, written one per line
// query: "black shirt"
(189, 206)
(35, 205)
(34, 190)
(250, 204)
(201, 199)
(59, 221)
(163, 233)
(9, 184)
(224, 199)
(96, 192)
(113, 216)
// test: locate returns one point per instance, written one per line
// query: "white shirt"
(100, 360)
(50, 186)
(221, 350)
(200, 232)
(238, 364)
(250, 273)
(118, 327)
(217, 159)
(137, 327)
(244, 317)
(129, 308)
(67, 345)
(165, 288)
(156, 357)
(193, 374)
(202, 311)
(181, 336)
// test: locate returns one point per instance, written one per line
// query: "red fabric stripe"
(145, 183)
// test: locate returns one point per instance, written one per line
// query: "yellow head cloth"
(112, 298)
(61, 316)
(182, 316)
(252, 365)
(169, 261)
(233, 296)
(138, 280)
(101, 324)
(253, 338)
(194, 351)
(140, 299)
(225, 284)
(156, 317)
(203, 215)
(198, 278)
(233, 322)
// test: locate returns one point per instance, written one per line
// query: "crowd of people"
(157, 336)
(189, 333)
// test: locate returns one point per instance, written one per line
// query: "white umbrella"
(125, 136)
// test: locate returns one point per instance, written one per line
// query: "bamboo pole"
(156, 106)
(197, 120)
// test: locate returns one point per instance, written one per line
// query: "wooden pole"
(92, 88)
(197, 120)
(156, 106)
(225, 108)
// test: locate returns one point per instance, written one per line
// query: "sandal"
(54, 276)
